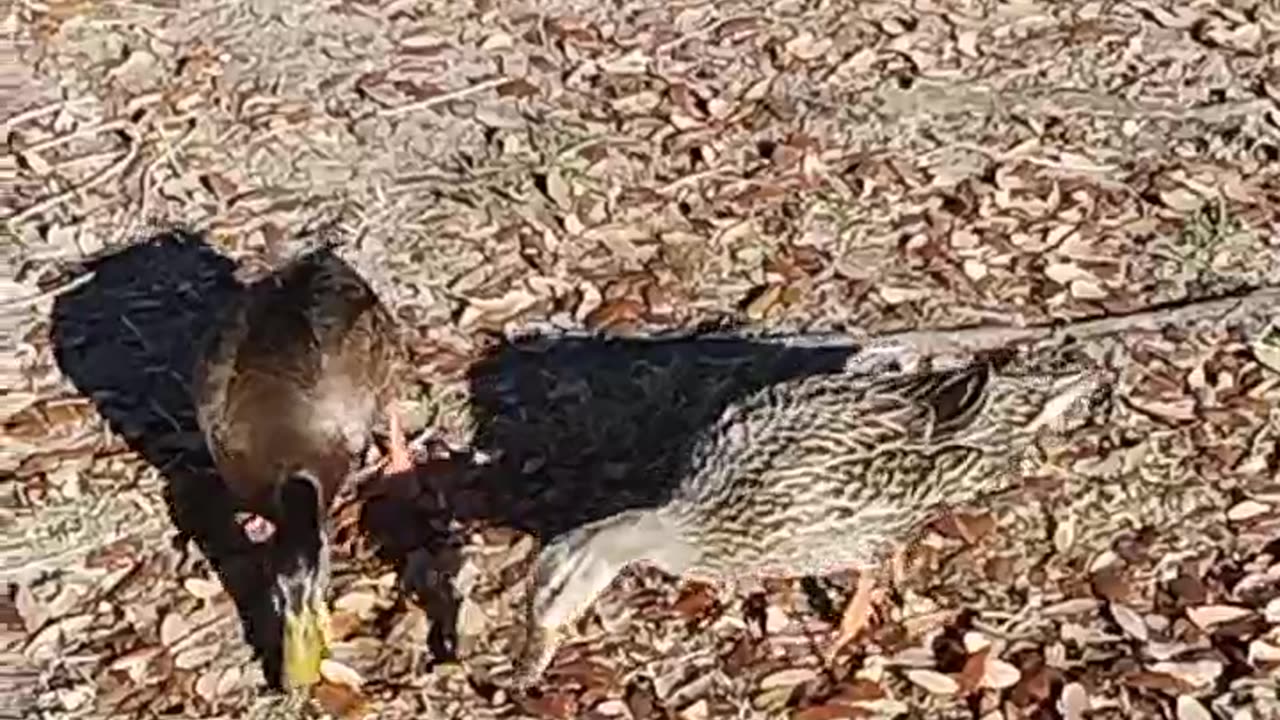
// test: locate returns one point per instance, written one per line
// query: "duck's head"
(299, 556)
(576, 567)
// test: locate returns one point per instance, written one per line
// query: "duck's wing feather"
(311, 347)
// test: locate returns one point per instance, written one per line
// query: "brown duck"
(289, 386)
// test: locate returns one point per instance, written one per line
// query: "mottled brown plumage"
(810, 477)
(289, 386)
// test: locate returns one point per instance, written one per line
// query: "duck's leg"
(856, 614)
(398, 458)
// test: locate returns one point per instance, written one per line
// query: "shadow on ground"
(128, 340)
(578, 429)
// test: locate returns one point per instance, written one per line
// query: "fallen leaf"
(614, 313)
(1272, 611)
(1247, 510)
(1064, 535)
(1130, 622)
(1088, 290)
(517, 88)
(558, 190)
(134, 663)
(207, 685)
(1074, 606)
(341, 700)
(495, 311)
(975, 641)
(552, 704)
(197, 656)
(1263, 653)
(787, 678)
(1197, 674)
(933, 681)
(202, 588)
(898, 295)
(360, 603)
(229, 681)
(763, 301)
(1266, 348)
(1182, 200)
(1190, 708)
(1206, 616)
(1000, 674)
(1074, 701)
(173, 628)
(340, 674)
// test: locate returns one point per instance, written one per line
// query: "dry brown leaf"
(615, 313)
(518, 88)
(207, 685)
(829, 711)
(806, 46)
(1182, 200)
(558, 190)
(134, 663)
(203, 588)
(1181, 410)
(1130, 622)
(1206, 616)
(341, 700)
(197, 656)
(933, 681)
(1074, 606)
(360, 603)
(787, 678)
(764, 301)
(1074, 701)
(1247, 510)
(1196, 674)
(898, 295)
(1088, 290)
(1266, 348)
(495, 311)
(1190, 709)
(229, 681)
(552, 704)
(1263, 653)
(1064, 535)
(999, 674)
(1272, 611)
(173, 628)
(340, 674)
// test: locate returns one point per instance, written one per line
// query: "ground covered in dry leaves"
(634, 167)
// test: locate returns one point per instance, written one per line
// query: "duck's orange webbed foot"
(398, 458)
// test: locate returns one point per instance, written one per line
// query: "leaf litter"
(643, 167)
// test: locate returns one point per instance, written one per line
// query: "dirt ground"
(631, 168)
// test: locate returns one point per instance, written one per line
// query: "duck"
(289, 384)
(811, 477)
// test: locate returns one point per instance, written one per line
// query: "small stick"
(38, 298)
(443, 98)
(56, 200)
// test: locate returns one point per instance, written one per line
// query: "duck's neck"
(644, 536)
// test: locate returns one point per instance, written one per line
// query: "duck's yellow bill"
(306, 643)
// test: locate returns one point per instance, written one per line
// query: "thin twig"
(39, 112)
(38, 298)
(54, 142)
(443, 98)
(107, 173)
